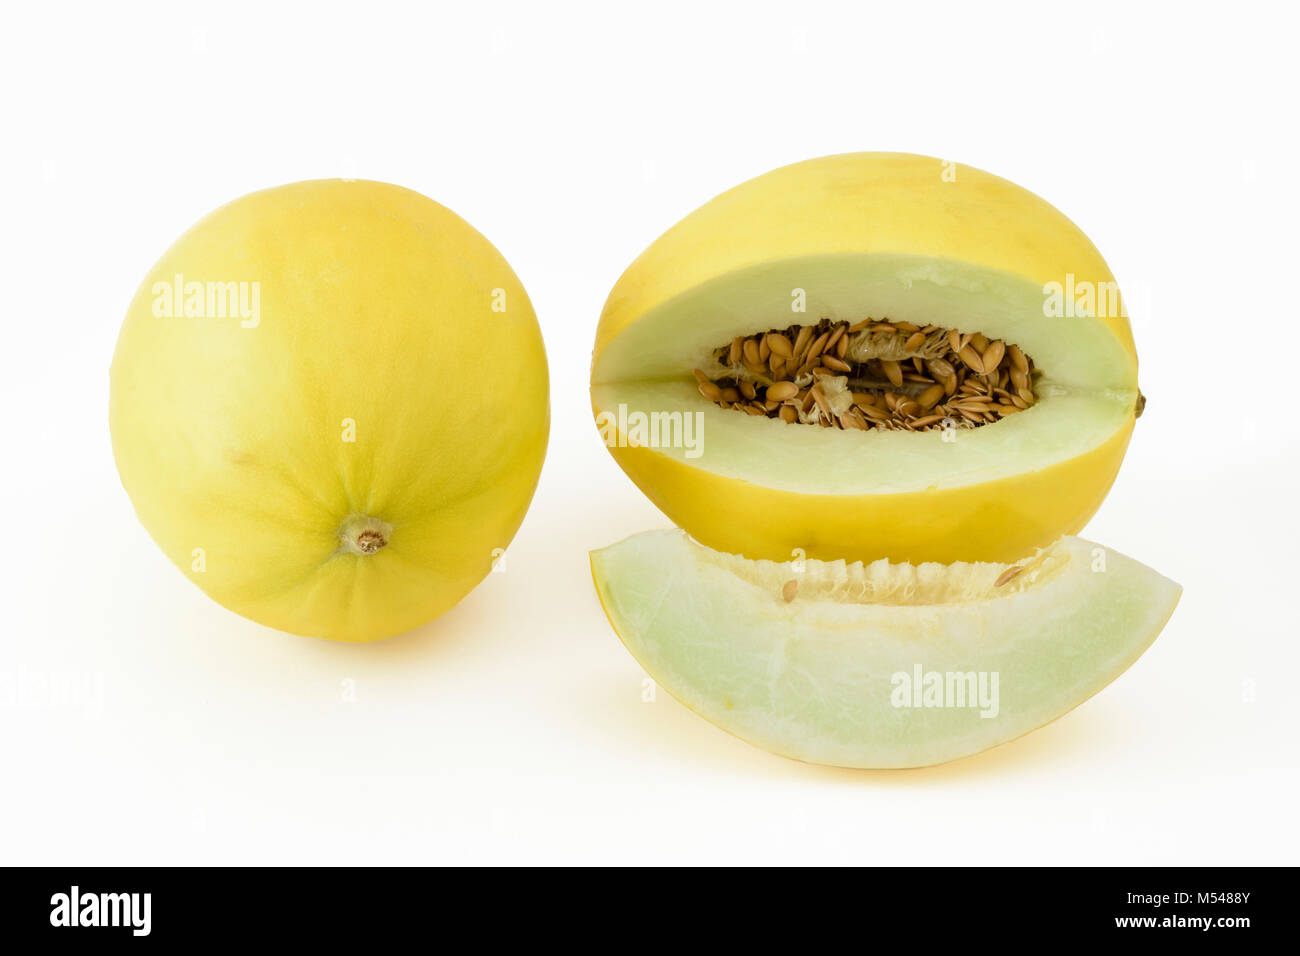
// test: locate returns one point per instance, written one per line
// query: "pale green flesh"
(811, 460)
(1087, 391)
(814, 678)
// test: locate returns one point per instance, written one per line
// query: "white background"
(142, 723)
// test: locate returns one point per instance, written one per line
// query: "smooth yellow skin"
(372, 385)
(870, 203)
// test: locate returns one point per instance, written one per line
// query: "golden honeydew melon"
(341, 460)
(831, 676)
(883, 236)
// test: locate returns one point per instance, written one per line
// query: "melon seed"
(899, 376)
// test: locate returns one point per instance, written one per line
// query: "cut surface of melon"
(824, 461)
(879, 665)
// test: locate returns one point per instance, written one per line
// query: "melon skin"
(817, 678)
(881, 235)
(365, 391)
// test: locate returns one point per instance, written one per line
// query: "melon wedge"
(879, 665)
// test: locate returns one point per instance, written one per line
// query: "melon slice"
(879, 665)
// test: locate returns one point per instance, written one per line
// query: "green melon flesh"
(816, 678)
(1086, 393)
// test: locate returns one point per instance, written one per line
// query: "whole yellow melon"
(329, 406)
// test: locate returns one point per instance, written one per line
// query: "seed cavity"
(872, 374)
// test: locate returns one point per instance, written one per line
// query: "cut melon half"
(879, 665)
(884, 247)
